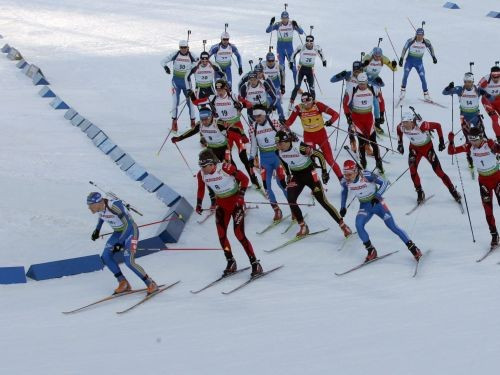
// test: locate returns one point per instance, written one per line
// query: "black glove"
(272, 20)
(117, 247)
(349, 119)
(394, 64)
(328, 123)
(324, 64)
(450, 86)
(294, 24)
(400, 61)
(240, 70)
(343, 211)
(379, 81)
(190, 94)
(198, 209)
(325, 177)
(282, 89)
(374, 201)
(238, 106)
(434, 60)
(401, 149)
(95, 235)
(290, 64)
(441, 146)
(167, 69)
(366, 62)
(176, 139)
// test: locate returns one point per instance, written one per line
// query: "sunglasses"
(309, 40)
(204, 58)
(306, 100)
(225, 40)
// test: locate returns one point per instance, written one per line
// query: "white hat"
(362, 78)
(224, 35)
(183, 43)
(407, 116)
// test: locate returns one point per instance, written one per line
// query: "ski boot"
(303, 231)
(372, 252)
(379, 166)
(402, 94)
(256, 268)
(354, 146)
(123, 286)
(414, 250)
(230, 268)
(378, 122)
(427, 97)
(456, 195)
(152, 287)
(193, 123)
(494, 239)
(345, 229)
(255, 181)
(174, 125)
(278, 215)
(420, 195)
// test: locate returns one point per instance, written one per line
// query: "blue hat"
(94, 197)
(357, 65)
(270, 56)
(258, 68)
(205, 113)
(285, 14)
(377, 51)
(420, 31)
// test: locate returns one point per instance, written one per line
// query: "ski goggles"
(474, 138)
(205, 162)
(259, 112)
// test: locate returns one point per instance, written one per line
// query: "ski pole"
(366, 139)
(379, 40)
(164, 141)
(148, 224)
(408, 18)
(393, 105)
(392, 44)
(340, 111)
(182, 109)
(114, 196)
(189, 33)
(388, 130)
(185, 161)
(317, 82)
(180, 249)
(452, 121)
(283, 203)
(465, 199)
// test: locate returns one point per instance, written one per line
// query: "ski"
(345, 240)
(291, 225)
(365, 263)
(419, 204)
(461, 206)
(424, 255)
(295, 239)
(252, 279)
(210, 214)
(433, 102)
(487, 254)
(219, 279)
(273, 224)
(148, 297)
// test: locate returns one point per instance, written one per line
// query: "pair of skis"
(429, 197)
(212, 212)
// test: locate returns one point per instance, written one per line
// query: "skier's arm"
(428, 44)
(240, 177)
(452, 149)
(201, 189)
(219, 74)
(400, 133)
(430, 126)
(189, 132)
(453, 90)
(325, 109)
(405, 48)
(297, 28)
(99, 224)
(381, 182)
(343, 195)
(296, 112)
(388, 63)
(253, 141)
(284, 164)
(167, 59)
(307, 150)
(272, 94)
(238, 56)
(272, 27)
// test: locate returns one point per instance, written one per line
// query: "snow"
(103, 58)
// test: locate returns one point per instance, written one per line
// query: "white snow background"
(103, 58)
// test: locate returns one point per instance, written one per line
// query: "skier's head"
(221, 87)
(259, 112)
(95, 202)
(204, 56)
(253, 80)
(307, 99)
(285, 17)
(362, 81)
(419, 34)
(183, 46)
(205, 116)
(283, 140)
(259, 70)
(495, 73)
(207, 161)
(377, 53)
(408, 120)
(475, 136)
(468, 80)
(350, 170)
(357, 67)
(224, 38)
(310, 41)
(270, 58)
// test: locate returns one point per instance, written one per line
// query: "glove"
(95, 235)
(238, 106)
(294, 24)
(290, 64)
(176, 139)
(272, 20)
(213, 206)
(451, 137)
(366, 62)
(282, 89)
(394, 64)
(240, 200)
(343, 211)
(199, 210)
(190, 94)
(325, 177)
(401, 149)
(400, 61)
(434, 60)
(450, 86)
(240, 70)
(379, 81)
(374, 201)
(328, 123)
(441, 146)
(117, 247)
(349, 119)
(324, 64)
(167, 69)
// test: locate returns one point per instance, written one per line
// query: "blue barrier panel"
(26, 68)
(39, 79)
(5, 48)
(167, 195)
(151, 183)
(46, 92)
(171, 231)
(77, 120)
(21, 63)
(66, 267)
(125, 162)
(58, 103)
(99, 139)
(85, 125)
(92, 131)
(107, 146)
(116, 154)
(149, 243)
(70, 113)
(32, 70)
(136, 172)
(12, 275)
(450, 5)
(493, 14)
